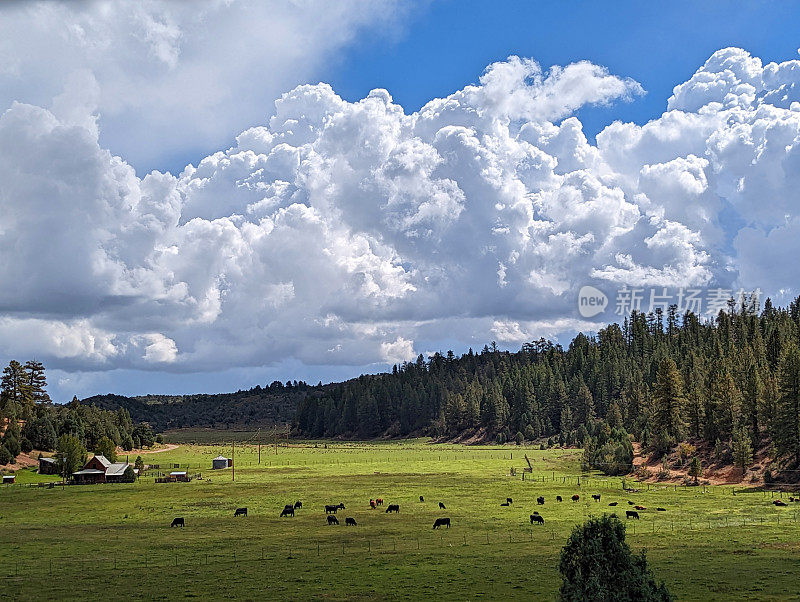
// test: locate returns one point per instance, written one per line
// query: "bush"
(159, 438)
(597, 564)
(25, 445)
(5, 456)
(519, 438)
(768, 478)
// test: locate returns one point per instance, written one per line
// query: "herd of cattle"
(535, 518)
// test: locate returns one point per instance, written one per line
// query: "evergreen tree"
(36, 381)
(106, 447)
(742, 448)
(597, 564)
(668, 400)
(787, 424)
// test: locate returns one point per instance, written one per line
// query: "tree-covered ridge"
(661, 376)
(259, 406)
(29, 420)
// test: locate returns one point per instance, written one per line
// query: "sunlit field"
(116, 540)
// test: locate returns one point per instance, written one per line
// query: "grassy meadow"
(114, 541)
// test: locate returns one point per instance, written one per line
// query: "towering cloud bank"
(341, 233)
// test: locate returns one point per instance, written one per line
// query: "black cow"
(332, 520)
(240, 512)
(613, 504)
(288, 510)
(504, 504)
(441, 522)
(661, 509)
(441, 506)
(596, 498)
(421, 499)
(540, 500)
(576, 497)
(630, 503)
(350, 522)
(509, 500)
(537, 518)
(333, 508)
(779, 503)
(298, 504)
(392, 508)
(559, 498)
(178, 522)
(632, 514)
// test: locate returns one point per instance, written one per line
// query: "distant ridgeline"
(733, 381)
(259, 406)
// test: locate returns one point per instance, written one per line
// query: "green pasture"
(114, 541)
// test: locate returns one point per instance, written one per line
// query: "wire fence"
(172, 558)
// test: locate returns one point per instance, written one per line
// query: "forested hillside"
(29, 420)
(258, 406)
(733, 381)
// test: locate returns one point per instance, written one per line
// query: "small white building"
(219, 462)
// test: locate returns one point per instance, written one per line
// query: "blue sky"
(341, 236)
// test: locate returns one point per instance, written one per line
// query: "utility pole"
(233, 462)
(259, 445)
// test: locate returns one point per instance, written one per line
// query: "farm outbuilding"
(219, 462)
(47, 466)
(8, 479)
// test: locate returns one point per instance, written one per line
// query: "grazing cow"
(240, 512)
(661, 509)
(504, 504)
(559, 498)
(379, 501)
(596, 498)
(631, 514)
(331, 508)
(537, 518)
(332, 520)
(613, 504)
(298, 504)
(288, 510)
(350, 522)
(340, 506)
(372, 504)
(630, 503)
(509, 500)
(421, 499)
(178, 522)
(441, 506)
(779, 503)
(540, 500)
(576, 497)
(392, 508)
(640, 507)
(441, 522)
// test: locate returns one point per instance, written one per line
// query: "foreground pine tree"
(597, 564)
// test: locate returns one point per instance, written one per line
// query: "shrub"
(519, 438)
(25, 445)
(5, 456)
(159, 438)
(597, 564)
(768, 478)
